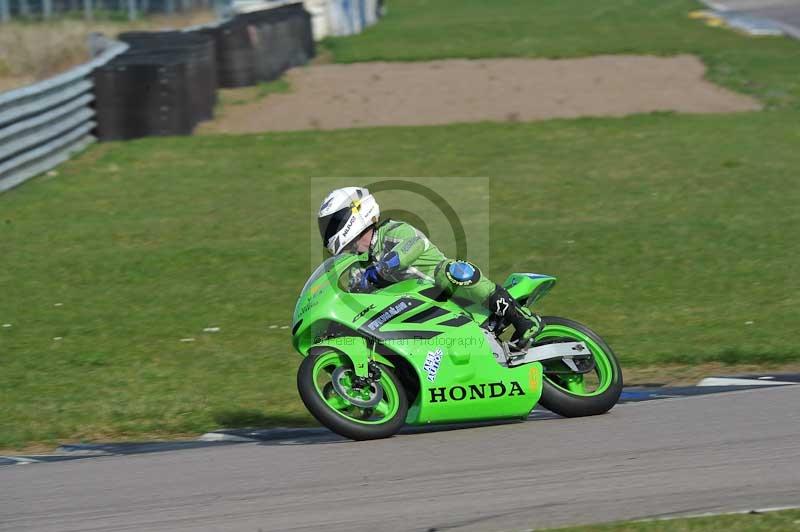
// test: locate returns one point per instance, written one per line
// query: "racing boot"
(509, 312)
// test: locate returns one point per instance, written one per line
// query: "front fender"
(353, 347)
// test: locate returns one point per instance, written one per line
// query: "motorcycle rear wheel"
(571, 395)
(346, 409)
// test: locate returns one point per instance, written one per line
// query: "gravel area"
(447, 91)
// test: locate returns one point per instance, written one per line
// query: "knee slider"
(462, 273)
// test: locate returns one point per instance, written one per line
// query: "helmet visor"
(333, 223)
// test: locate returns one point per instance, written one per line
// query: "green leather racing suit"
(399, 251)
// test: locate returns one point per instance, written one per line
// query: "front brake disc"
(367, 400)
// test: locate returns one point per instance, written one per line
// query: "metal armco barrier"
(43, 124)
(155, 83)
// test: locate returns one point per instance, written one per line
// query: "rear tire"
(565, 403)
(338, 420)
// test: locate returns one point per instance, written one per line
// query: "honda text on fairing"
(406, 354)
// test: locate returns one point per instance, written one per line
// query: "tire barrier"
(167, 81)
(163, 85)
(140, 100)
(261, 45)
(200, 52)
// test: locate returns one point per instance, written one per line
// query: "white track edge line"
(19, 460)
(221, 436)
(714, 514)
(733, 381)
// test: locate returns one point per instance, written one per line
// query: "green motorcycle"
(405, 354)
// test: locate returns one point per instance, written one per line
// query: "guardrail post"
(131, 9)
(88, 14)
(47, 8)
(24, 8)
(5, 11)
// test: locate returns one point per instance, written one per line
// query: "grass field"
(678, 227)
(785, 520)
(673, 236)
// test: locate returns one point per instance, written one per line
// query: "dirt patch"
(448, 91)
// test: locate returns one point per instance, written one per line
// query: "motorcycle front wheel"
(572, 394)
(328, 387)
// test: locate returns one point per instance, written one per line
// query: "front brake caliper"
(373, 375)
(374, 371)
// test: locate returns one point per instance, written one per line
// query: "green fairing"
(529, 287)
(469, 383)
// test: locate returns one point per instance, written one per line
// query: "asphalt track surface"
(729, 451)
(785, 12)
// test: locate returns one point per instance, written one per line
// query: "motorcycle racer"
(349, 221)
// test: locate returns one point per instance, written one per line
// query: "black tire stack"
(262, 45)
(167, 81)
(163, 85)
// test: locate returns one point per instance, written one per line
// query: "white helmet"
(344, 215)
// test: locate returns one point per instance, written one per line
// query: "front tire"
(347, 410)
(567, 394)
